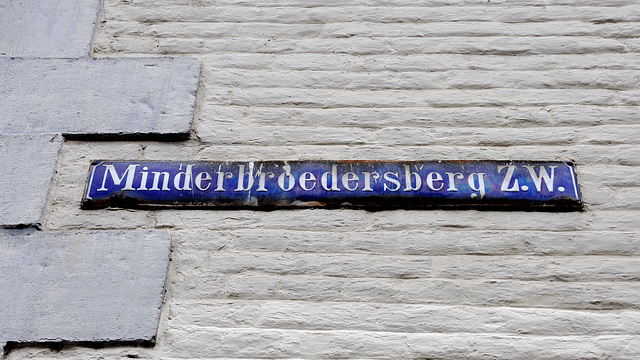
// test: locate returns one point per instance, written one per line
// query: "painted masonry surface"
(319, 83)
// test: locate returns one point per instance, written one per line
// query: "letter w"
(111, 170)
(538, 178)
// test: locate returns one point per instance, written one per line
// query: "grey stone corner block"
(47, 28)
(78, 287)
(124, 98)
(27, 169)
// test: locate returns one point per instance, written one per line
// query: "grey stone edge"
(28, 166)
(81, 287)
(98, 99)
(47, 28)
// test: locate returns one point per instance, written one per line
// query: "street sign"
(537, 185)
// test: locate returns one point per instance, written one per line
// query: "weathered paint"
(365, 184)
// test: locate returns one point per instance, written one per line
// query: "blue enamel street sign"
(357, 184)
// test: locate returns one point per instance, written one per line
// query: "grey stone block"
(102, 286)
(85, 98)
(27, 168)
(47, 28)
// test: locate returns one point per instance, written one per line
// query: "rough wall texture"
(89, 287)
(27, 169)
(84, 286)
(99, 98)
(53, 28)
(366, 79)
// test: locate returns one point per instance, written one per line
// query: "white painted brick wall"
(405, 79)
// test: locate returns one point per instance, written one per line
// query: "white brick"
(343, 30)
(400, 318)
(460, 79)
(281, 135)
(253, 343)
(286, 135)
(421, 62)
(485, 292)
(434, 242)
(340, 3)
(384, 14)
(322, 98)
(552, 268)
(610, 175)
(582, 154)
(393, 220)
(612, 198)
(604, 134)
(367, 46)
(488, 117)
